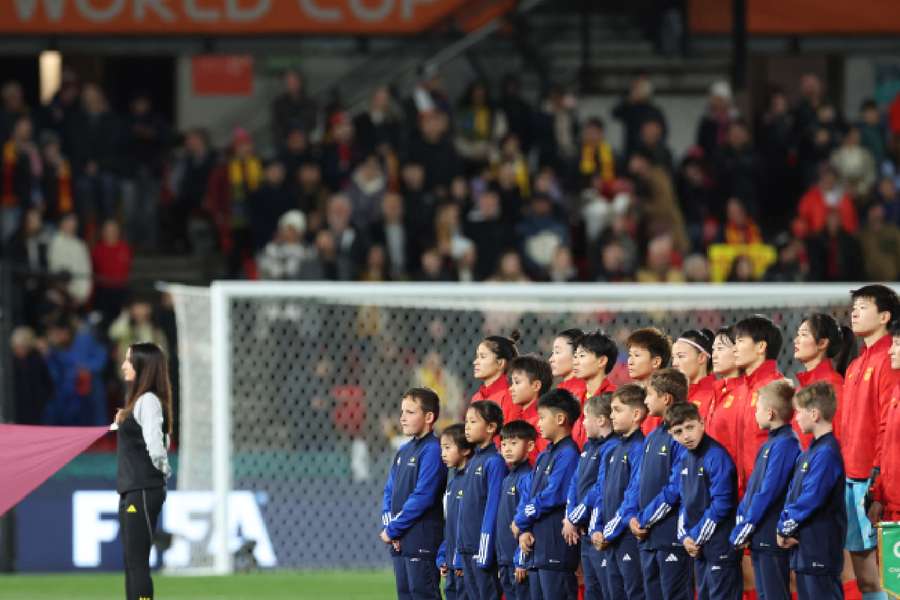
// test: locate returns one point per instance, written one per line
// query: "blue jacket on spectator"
(80, 396)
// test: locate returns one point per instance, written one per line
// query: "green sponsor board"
(889, 536)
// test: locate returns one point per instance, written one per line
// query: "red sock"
(749, 594)
(580, 592)
(851, 591)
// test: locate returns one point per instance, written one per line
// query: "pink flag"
(30, 454)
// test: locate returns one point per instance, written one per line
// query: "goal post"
(289, 390)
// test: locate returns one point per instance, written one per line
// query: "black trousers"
(138, 513)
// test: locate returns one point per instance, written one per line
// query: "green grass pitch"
(315, 585)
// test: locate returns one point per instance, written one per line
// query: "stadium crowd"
(490, 186)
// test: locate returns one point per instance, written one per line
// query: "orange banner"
(803, 17)
(226, 17)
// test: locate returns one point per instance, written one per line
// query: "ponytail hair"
(702, 341)
(504, 347)
(841, 342)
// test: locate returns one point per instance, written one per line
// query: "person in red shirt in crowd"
(886, 489)
(649, 349)
(825, 349)
(823, 198)
(492, 359)
(722, 416)
(111, 257)
(757, 342)
(692, 355)
(868, 387)
(595, 357)
(562, 358)
(530, 378)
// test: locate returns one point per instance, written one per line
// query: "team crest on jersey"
(728, 400)
(478, 471)
(662, 450)
(805, 467)
(753, 398)
(700, 472)
(459, 493)
(412, 461)
(868, 374)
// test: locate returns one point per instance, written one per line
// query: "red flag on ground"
(30, 454)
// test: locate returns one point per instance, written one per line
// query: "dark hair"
(535, 368)
(780, 394)
(426, 398)
(818, 395)
(599, 344)
(457, 433)
(672, 382)
(654, 341)
(503, 347)
(727, 332)
(884, 297)
(151, 375)
(760, 328)
(894, 328)
(600, 406)
(561, 401)
(519, 430)
(571, 336)
(703, 338)
(490, 412)
(681, 413)
(841, 342)
(631, 395)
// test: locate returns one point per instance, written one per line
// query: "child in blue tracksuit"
(538, 522)
(582, 496)
(760, 508)
(412, 511)
(482, 489)
(708, 492)
(455, 452)
(665, 565)
(813, 524)
(517, 439)
(624, 579)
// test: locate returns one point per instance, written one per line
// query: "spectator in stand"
(562, 267)
(232, 187)
(742, 271)
(146, 139)
(68, 255)
(519, 113)
(660, 266)
(789, 268)
(111, 257)
(826, 197)
(32, 384)
(27, 250)
(656, 198)
(509, 269)
(596, 159)
(511, 156)
(637, 109)
(818, 146)
(854, 165)
(350, 244)
(712, 131)
(556, 130)
(805, 113)
(63, 107)
(435, 267)
(512, 204)
(293, 107)
(56, 178)
(367, 187)
(776, 143)
(653, 143)
(21, 174)
(487, 230)
(598, 212)
(95, 138)
(432, 147)
(480, 125)
(284, 257)
(886, 195)
(614, 266)
(76, 361)
(834, 254)
(698, 201)
(295, 152)
(379, 125)
(873, 133)
(341, 153)
(14, 108)
(393, 233)
(376, 267)
(418, 203)
(880, 246)
(135, 324)
(696, 269)
(268, 203)
(737, 169)
(740, 228)
(311, 194)
(541, 234)
(190, 182)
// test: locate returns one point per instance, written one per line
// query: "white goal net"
(289, 392)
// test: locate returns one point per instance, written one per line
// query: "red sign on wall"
(222, 75)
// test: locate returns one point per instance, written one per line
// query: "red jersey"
(578, 432)
(867, 392)
(887, 486)
(499, 392)
(530, 415)
(750, 436)
(722, 417)
(702, 394)
(823, 372)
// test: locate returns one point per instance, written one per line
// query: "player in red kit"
(492, 359)
(886, 491)
(692, 355)
(722, 417)
(649, 350)
(562, 362)
(530, 378)
(595, 358)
